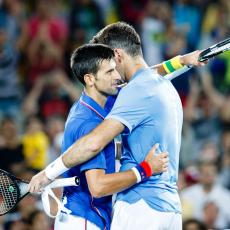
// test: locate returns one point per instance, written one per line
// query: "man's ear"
(118, 54)
(89, 79)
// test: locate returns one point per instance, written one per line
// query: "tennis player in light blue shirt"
(150, 108)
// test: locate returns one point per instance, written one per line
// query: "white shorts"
(70, 222)
(140, 216)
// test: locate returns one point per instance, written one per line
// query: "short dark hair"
(87, 58)
(200, 225)
(120, 35)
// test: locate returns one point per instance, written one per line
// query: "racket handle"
(72, 181)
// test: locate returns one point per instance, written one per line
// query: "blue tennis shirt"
(150, 107)
(84, 116)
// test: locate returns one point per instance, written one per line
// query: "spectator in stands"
(216, 14)
(38, 221)
(52, 95)
(16, 225)
(54, 130)
(187, 17)
(44, 41)
(153, 30)
(208, 190)
(193, 224)
(84, 21)
(35, 144)
(9, 85)
(225, 160)
(132, 11)
(11, 149)
(202, 114)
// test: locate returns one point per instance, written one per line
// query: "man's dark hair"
(200, 225)
(120, 35)
(86, 59)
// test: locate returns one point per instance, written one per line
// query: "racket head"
(10, 193)
(214, 50)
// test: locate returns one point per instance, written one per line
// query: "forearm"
(33, 49)
(214, 95)
(179, 64)
(101, 184)
(76, 154)
(190, 108)
(81, 151)
(54, 50)
(90, 145)
(108, 184)
(170, 67)
(160, 69)
(85, 148)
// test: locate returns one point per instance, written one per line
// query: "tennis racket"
(214, 50)
(13, 189)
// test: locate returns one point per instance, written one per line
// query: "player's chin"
(113, 91)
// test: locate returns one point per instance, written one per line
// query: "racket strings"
(8, 193)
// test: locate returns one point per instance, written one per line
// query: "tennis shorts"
(71, 222)
(140, 216)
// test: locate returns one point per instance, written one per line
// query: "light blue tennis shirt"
(150, 108)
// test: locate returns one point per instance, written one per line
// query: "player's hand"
(38, 181)
(191, 59)
(159, 162)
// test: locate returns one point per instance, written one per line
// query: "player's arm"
(82, 150)
(178, 64)
(90, 145)
(101, 184)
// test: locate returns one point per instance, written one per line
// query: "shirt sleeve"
(130, 108)
(97, 162)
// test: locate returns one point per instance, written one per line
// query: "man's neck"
(96, 96)
(207, 188)
(133, 65)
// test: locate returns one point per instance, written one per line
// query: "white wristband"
(136, 172)
(55, 169)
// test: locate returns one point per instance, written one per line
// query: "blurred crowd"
(37, 90)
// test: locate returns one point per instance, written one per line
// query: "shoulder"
(76, 128)
(81, 124)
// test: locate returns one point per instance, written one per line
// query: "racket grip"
(72, 181)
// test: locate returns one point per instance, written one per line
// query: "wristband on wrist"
(55, 169)
(172, 64)
(137, 174)
(147, 168)
(142, 171)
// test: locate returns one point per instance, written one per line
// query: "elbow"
(96, 191)
(94, 146)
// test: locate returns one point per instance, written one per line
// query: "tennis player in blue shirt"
(147, 111)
